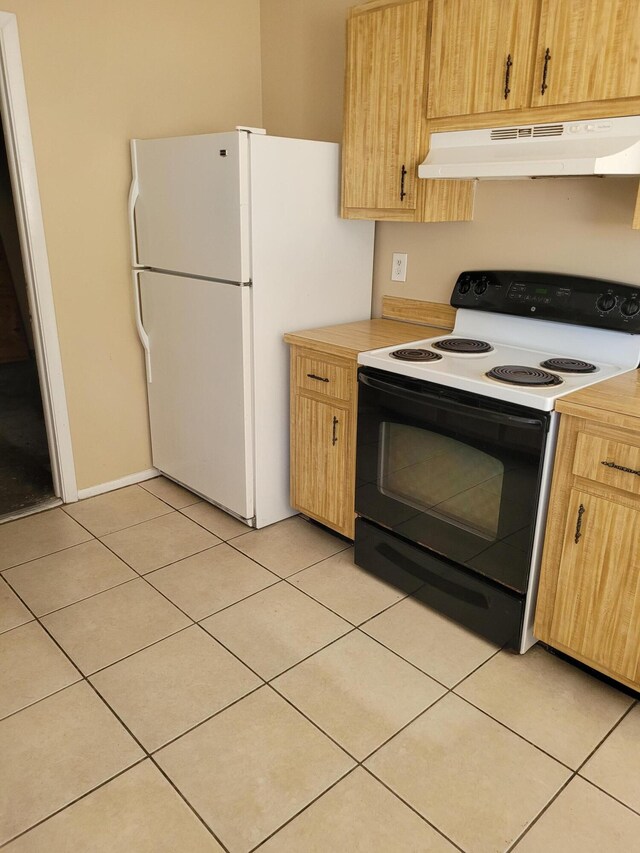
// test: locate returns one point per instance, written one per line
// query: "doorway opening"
(35, 436)
(25, 466)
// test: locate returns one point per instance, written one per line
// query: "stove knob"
(605, 302)
(480, 287)
(630, 307)
(464, 286)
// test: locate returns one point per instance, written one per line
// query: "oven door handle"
(450, 405)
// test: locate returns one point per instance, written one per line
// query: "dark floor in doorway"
(25, 468)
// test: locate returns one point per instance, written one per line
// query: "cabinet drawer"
(324, 377)
(608, 461)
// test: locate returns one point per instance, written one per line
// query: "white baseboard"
(129, 480)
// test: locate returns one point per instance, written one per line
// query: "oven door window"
(457, 475)
(442, 476)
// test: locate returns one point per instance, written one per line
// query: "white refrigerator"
(236, 239)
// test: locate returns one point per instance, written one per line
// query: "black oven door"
(456, 473)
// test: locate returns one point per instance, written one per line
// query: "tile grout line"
(361, 762)
(413, 809)
(475, 669)
(358, 764)
(267, 683)
(303, 809)
(514, 732)
(86, 597)
(146, 753)
(155, 642)
(607, 793)
(39, 619)
(402, 658)
(49, 553)
(573, 775)
(537, 817)
(186, 801)
(154, 752)
(405, 726)
(74, 801)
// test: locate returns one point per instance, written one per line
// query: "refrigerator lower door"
(201, 389)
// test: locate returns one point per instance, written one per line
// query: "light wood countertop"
(618, 396)
(349, 339)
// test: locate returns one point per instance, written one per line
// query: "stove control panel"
(547, 296)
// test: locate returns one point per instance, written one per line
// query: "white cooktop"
(515, 341)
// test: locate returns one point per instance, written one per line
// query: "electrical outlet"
(399, 267)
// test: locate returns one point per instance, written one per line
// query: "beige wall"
(579, 226)
(98, 74)
(575, 225)
(303, 49)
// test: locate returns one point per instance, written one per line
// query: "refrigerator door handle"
(142, 334)
(134, 192)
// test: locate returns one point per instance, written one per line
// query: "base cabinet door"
(321, 461)
(597, 604)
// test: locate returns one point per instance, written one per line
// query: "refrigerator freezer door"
(192, 209)
(200, 393)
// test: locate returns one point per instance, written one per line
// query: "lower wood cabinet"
(323, 418)
(589, 597)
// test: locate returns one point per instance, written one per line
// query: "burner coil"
(519, 374)
(462, 345)
(415, 355)
(569, 365)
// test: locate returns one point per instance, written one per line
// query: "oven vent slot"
(530, 132)
(504, 133)
(548, 130)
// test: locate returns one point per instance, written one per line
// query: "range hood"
(598, 147)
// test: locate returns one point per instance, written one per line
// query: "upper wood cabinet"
(481, 56)
(493, 55)
(590, 50)
(384, 90)
(385, 128)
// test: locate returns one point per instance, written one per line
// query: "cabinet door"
(322, 470)
(597, 605)
(384, 92)
(591, 51)
(481, 56)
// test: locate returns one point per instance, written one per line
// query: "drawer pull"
(507, 77)
(403, 175)
(319, 378)
(334, 436)
(579, 523)
(621, 468)
(545, 71)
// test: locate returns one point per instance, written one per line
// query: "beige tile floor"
(171, 681)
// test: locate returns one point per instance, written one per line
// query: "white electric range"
(457, 434)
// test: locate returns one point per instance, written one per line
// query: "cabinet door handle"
(403, 175)
(621, 468)
(545, 71)
(507, 77)
(319, 378)
(579, 523)
(334, 435)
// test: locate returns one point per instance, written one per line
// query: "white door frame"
(24, 182)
